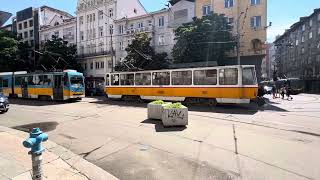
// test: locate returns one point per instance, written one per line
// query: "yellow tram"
(223, 84)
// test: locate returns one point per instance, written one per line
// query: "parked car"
(4, 103)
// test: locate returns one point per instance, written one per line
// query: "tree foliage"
(204, 39)
(14, 55)
(59, 55)
(141, 56)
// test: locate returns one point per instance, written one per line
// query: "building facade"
(252, 18)
(298, 52)
(61, 28)
(95, 33)
(158, 25)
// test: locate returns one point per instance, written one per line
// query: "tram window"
(18, 81)
(1, 82)
(205, 77)
(248, 76)
(181, 77)
(5, 83)
(161, 78)
(47, 80)
(115, 80)
(127, 79)
(228, 76)
(30, 80)
(143, 79)
(36, 80)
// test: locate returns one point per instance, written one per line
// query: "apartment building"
(61, 28)
(298, 51)
(252, 18)
(95, 33)
(159, 25)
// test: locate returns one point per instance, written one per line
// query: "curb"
(86, 168)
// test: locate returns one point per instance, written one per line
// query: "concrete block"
(155, 111)
(175, 117)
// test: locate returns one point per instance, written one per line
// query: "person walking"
(288, 92)
(274, 91)
(282, 91)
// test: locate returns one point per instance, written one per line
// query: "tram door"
(24, 87)
(58, 87)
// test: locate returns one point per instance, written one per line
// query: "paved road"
(280, 140)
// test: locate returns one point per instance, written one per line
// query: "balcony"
(102, 53)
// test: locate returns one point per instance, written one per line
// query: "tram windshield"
(76, 80)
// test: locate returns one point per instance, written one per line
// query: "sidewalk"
(58, 162)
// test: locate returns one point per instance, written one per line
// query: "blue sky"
(282, 13)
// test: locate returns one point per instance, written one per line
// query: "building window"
(310, 22)
(161, 21)
(255, 2)
(161, 40)
(94, 17)
(110, 12)
(303, 27)
(91, 65)
(97, 65)
(120, 29)
(310, 35)
(56, 23)
(102, 65)
(302, 39)
(230, 20)
(140, 25)
(30, 23)
(101, 31)
(297, 42)
(26, 34)
(206, 10)
(131, 26)
(31, 33)
(81, 35)
(32, 43)
(150, 23)
(85, 66)
(20, 26)
(256, 21)
(121, 46)
(318, 30)
(90, 17)
(25, 25)
(56, 34)
(302, 50)
(111, 29)
(100, 14)
(81, 20)
(228, 3)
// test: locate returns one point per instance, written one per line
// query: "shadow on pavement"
(44, 126)
(160, 128)
(36, 102)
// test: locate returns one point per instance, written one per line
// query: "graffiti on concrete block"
(175, 114)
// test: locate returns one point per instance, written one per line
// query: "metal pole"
(238, 40)
(235, 139)
(112, 64)
(36, 166)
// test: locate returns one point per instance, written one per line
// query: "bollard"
(34, 142)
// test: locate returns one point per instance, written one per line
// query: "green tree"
(58, 54)
(204, 39)
(8, 50)
(141, 56)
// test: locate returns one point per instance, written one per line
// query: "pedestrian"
(274, 91)
(282, 92)
(288, 92)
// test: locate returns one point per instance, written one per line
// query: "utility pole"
(111, 41)
(238, 37)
